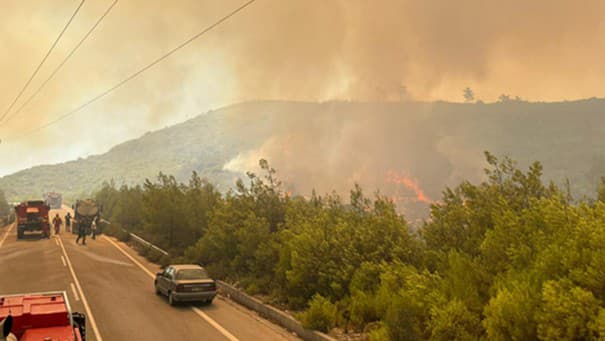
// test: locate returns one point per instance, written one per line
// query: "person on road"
(68, 222)
(93, 226)
(57, 223)
(81, 233)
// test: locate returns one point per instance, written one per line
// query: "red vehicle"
(32, 216)
(44, 316)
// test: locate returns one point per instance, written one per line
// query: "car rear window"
(192, 274)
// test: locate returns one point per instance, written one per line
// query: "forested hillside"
(507, 258)
(409, 151)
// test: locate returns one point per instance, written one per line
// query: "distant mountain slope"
(204, 143)
(334, 144)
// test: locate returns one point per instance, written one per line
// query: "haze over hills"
(409, 151)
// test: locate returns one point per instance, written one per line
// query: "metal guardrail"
(271, 313)
(148, 244)
(140, 240)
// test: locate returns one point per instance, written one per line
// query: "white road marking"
(73, 288)
(196, 310)
(255, 316)
(214, 324)
(57, 241)
(89, 315)
(63, 260)
(136, 262)
(6, 234)
(99, 258)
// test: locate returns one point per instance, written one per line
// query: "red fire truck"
(43, 316)
(32, 216)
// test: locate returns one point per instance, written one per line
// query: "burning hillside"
(406, 184)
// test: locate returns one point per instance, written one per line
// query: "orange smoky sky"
(311, 50)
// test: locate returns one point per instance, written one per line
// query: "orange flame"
(407, 182)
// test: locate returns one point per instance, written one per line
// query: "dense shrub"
(321, 314)
(454, 321)
(379, 334)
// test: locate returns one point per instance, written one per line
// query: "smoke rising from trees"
(311, 50)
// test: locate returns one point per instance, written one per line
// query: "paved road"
(112, 284)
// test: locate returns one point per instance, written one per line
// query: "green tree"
(404, 300)
(454, 321)
(201, 198)
(509, 315)
(567, 312)
(165, 218)
(321, 314)
(466, 281)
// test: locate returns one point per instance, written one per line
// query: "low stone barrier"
(271, 313)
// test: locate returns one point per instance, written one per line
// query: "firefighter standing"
(57, 223)
(68, 222)
(81, 233)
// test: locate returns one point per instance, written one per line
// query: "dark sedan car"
(185, 283)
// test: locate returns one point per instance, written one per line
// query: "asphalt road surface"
(113, 285)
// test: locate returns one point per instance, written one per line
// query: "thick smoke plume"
(312, 50)
(397, 149)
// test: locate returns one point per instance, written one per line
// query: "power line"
(140, 71)
(62, 63)
(43, 60)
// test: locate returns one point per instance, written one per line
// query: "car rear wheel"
(157, 290)
(171, 300)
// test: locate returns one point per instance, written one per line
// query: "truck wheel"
(157, 290)
(171, 300)
(20, 234)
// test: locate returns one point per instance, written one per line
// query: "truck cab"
(32, 216)
(42, 316)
